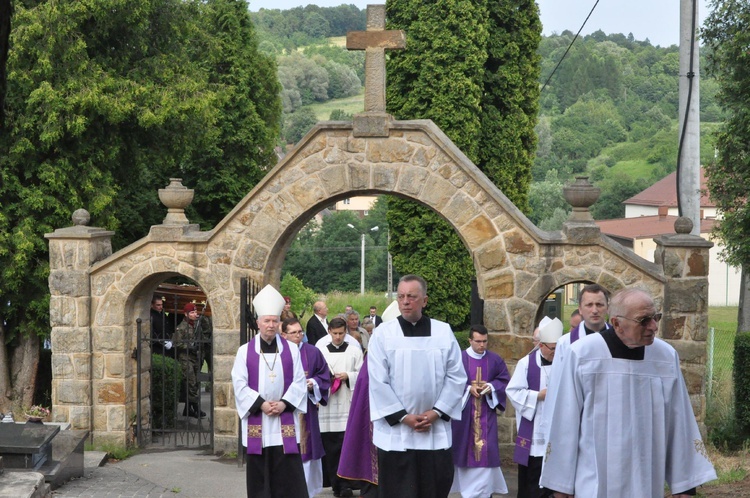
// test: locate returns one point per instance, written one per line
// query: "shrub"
(166, 377)
(742, 383)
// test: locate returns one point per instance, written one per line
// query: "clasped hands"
(273, 408)
(421, 422)
(478, 390)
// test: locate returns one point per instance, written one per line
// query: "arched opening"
(174, 352)
(342, 248)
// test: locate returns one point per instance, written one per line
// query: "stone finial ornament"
(176, 197)
(683, 225)
(581, 195)
(81, 217)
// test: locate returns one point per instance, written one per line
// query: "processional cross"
(375, 41)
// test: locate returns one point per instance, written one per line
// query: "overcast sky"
(657, 20)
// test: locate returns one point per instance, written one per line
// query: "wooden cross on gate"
(375, 41)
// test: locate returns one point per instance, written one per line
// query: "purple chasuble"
(526, 427)
(475, 441)
(255, 421)
(315, 366)
(359, 457)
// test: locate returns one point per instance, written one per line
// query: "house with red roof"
(653, 212)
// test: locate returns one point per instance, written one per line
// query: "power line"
(571, 44)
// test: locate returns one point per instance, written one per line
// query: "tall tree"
(110, 99)
(727, 37)
(6, 11)
(471, 67)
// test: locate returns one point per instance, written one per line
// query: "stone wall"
(517, 267)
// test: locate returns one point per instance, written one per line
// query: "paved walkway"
(176, 474)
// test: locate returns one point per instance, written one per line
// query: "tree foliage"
(472, 68)
(327, 256)
(727, 38)
(296, 125)
(545, 198)
(108, 100)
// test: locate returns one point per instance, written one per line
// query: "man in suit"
(317, 325)
(376, 319)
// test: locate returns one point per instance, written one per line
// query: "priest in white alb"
(417, 379)
(527, 391)
(270, 391)
(622, 423)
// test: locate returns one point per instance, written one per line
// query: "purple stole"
(311, 446)
(575, 334)
(254, 421)
(526, 427)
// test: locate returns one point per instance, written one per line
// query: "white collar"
(475, 355)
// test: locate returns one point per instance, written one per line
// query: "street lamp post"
(362, 264)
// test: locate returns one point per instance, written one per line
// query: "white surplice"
(561, 351)
(332, 417)
(526, 402)
(623, 427)
(270, 389)
(414, 374)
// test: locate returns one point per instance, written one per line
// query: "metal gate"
(248, 328)
(172, 414)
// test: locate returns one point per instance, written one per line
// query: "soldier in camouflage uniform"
(192, 339)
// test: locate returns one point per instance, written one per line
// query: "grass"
(117, 452)
(351, 105)
(638, 168)
(339, 41)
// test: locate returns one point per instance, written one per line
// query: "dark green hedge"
(166, 377)
(462, 336)
(742, 383)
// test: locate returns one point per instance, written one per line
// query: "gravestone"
(26, 446)
(45, 448)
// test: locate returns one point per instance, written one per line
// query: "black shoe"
(346, 492)
(193, 411)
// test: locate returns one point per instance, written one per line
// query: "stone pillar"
(72, 252)
(684, 259)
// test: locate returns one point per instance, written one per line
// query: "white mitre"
(268, 302)
(550, 331)
(391, 312)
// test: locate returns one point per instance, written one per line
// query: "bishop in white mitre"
(270, 391)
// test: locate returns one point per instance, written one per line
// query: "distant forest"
(610, 111)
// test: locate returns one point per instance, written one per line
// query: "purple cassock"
(359, 457)
(315, 366)
(475, 435)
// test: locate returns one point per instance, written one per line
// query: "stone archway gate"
(96, 296)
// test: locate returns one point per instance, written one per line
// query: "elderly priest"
(270, 391)
(622, 423)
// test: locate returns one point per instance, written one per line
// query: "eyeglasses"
(293, 332)
(643, 322)
(551, 349)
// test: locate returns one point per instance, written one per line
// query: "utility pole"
(688, 175)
